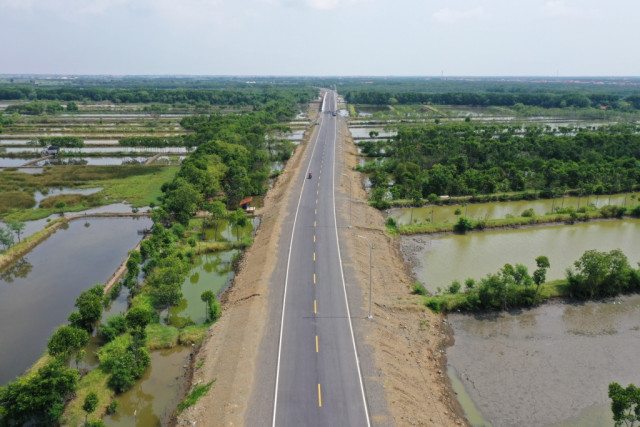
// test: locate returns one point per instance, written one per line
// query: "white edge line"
(286, 277)
(344, 287)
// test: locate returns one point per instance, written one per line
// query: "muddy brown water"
(499, 210)
(550, 365)
(38, 291)
(152, 399)
(546, 366)
(441, 259)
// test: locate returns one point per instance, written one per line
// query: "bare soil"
(229, 352)
(405, 363)
(408, 341)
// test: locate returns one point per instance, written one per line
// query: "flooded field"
(550, 365)
(38, 291)
(363, 132)
(499, 210)
(212, 272)
(110, 149)
(156, 394)
(441, 259)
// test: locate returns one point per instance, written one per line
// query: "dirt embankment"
(230, 350)
(404, 371)
(407, 341)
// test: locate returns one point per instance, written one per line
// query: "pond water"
(58, 191)
(500, 210)
(38, 291)
(117, 149)
(93, 161)
(12, 162)
(363, 132)
(156, 394)
(212, 272)
(442, 259)
(550, 365)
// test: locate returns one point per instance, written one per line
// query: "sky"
(321, 37)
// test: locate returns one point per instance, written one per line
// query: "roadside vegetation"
(595, 275)
(231, 162)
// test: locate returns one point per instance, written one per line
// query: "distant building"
(245, 204)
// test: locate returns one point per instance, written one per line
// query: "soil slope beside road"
(401, 348)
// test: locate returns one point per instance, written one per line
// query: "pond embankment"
(28, 243)
(549, 365)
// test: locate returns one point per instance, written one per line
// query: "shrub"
(463, 225)
(455, 287)
(391, 222)
(419, 289)
(528, 213)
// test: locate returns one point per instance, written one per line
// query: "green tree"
(625, 404)
(207, 297)
(238, 218)
(38, 397)
(182, 199)
(463, 225)
(89, 305)
(218, 212)
(540, 274)
(90, 404)
(137, 319)
(72, 106)
(6, 237)
(600, 274)
(17, 227)
(67, 340)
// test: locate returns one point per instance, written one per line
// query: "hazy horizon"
(369, 38)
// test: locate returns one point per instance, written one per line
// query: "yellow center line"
(314, 238)
(317, 349)
(314, 256)
(316, 211)
(316, 201)
(314, 224)
(319, 396)
(314, 278)
(315, 311)
(317, 192)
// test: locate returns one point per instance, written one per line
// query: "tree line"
(235, 97)
(594, 275)
(468, 159)
(500, 99)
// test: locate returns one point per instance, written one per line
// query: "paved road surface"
(318, 380)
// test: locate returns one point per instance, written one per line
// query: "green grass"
(161, 336)
(138, 185)
(195, 394)
(193, 334)
(429, 228)
(139, 190)
(95, 381)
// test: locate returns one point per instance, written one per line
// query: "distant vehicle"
(333, 113)
(309, 176)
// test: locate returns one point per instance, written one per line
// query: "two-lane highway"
(318, 378)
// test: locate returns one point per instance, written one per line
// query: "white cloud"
(558, 9)
(452, 16)
(323, 4)
(332, 4)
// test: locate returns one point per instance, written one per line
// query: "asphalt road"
(318, 379)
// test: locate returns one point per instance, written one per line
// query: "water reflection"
(440, 260)
(154, 396)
